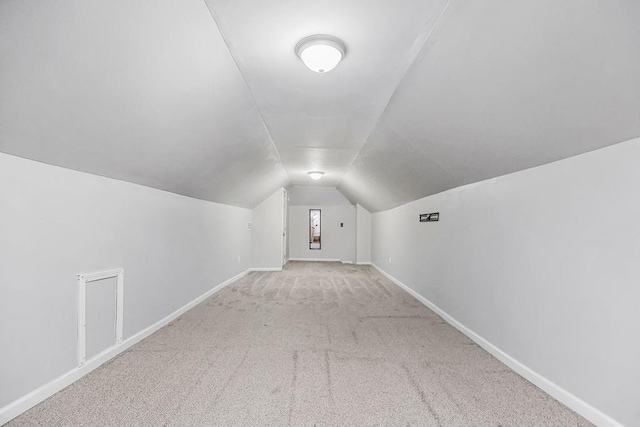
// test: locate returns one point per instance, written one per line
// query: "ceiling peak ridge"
(417, 47)
(238, 61)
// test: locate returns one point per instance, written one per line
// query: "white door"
(100, 316)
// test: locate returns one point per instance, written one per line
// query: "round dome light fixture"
(321, 52)
(315, 174)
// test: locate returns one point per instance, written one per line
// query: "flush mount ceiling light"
(321, 53)
(316, 174)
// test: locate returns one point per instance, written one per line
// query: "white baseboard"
(18, 406)
(307, 259)
(575, 403)
(364, 263)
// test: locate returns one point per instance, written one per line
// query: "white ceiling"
(503, 86)
(321, 121)
(210, 101)
(145, 92)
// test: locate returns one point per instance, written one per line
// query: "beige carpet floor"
(315, 344)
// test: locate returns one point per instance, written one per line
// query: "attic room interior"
(236, 212)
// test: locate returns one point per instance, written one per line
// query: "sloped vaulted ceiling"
(143, 91)
(207, 98)
(502, 86)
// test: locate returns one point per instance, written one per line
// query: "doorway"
(285, 223)
(315, 223)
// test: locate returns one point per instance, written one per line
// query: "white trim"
(18, 406)
(266, 269)
(83, 279)
(315, 259)
(364, 263)
(575, 403)
(347, 262)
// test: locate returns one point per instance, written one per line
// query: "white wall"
(323, 196)
(56, 223)
(337, 243)
(544, 264)
(266, 232)
(363, 235)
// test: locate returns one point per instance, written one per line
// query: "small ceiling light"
(316, 174)
(321, 53)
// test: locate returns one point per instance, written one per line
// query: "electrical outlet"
(238, 258)
(389, 260)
